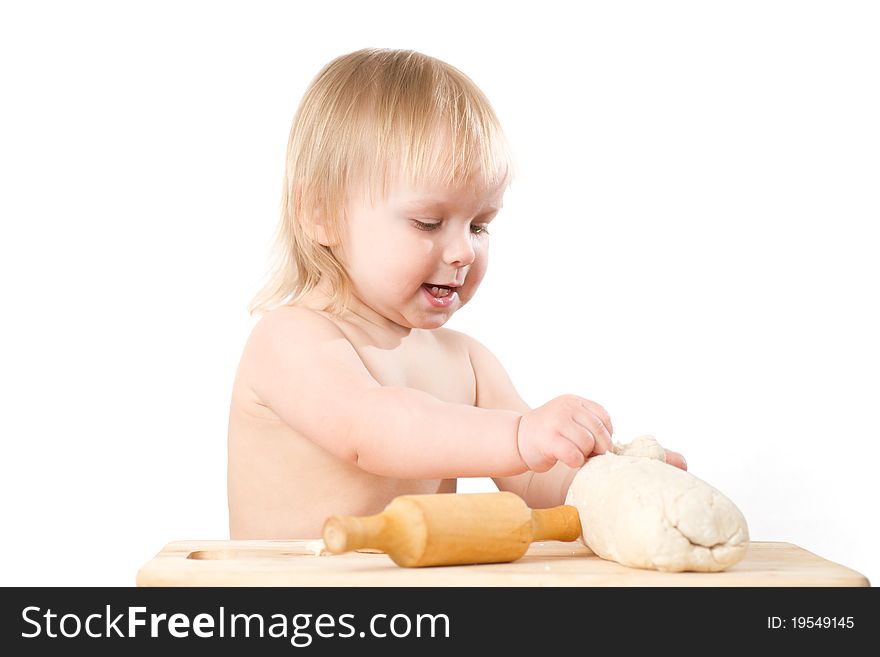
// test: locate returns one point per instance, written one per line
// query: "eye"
(422, 225)
(480, 229)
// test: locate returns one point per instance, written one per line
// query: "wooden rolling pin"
(452, 528)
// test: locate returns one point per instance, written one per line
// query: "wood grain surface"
(550, 563)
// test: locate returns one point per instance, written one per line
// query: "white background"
(691, 242)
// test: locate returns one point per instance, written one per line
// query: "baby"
(349, 391)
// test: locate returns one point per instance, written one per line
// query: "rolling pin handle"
(561, 523)
(347, 533)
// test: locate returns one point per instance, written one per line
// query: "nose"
(459, 248)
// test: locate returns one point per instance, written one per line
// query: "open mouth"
(439, 291)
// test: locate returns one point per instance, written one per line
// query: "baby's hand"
(567, 429)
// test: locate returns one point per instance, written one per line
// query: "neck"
(360, 313)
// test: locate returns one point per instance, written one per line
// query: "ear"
(314, 225)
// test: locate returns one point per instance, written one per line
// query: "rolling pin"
(445, 529)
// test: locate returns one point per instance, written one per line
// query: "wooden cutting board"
(550, 563)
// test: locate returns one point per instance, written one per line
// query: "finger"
(676, 459)
(601, 413)
(601, 437)
(581, 436)
(568, 452)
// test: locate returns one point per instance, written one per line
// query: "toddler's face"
(419, 255)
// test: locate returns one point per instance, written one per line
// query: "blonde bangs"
(439, 129)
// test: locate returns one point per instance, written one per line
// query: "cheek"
(477, 270)
(405, 246)
(404, 262)
(481, 257)
(426, 246)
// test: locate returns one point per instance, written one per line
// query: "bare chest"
(434, 366)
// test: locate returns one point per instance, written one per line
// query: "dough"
(645, 446)
(638, 511)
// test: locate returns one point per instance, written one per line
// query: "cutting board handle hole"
(227, 555)
(212, 555)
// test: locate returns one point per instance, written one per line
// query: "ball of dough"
(644, 446)
(641, 512)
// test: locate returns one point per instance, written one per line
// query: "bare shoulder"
(452, 339)
(282, 339)
(298, 316)
(494, 387)
(291, 325)
(295, 354)
(462, 342)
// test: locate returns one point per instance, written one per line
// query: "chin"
(430, 323)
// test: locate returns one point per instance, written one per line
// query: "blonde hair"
(368, 118)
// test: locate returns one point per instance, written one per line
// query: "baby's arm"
(312, 378)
